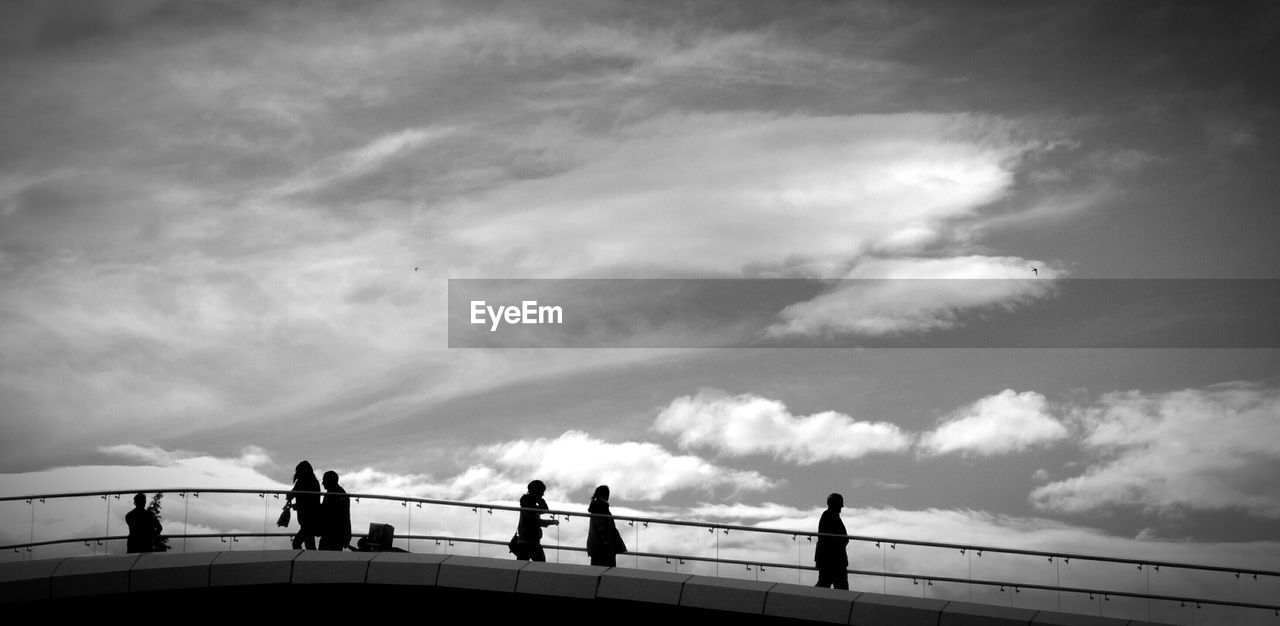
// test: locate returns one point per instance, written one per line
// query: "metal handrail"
(682, 558)
(1065, 556)
(712, 527)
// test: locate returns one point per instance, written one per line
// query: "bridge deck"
(227, 583)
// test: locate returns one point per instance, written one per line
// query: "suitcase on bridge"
(379, 539)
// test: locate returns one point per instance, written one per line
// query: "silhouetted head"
(835, 501)
(303, 470)
(330, 479)
(537, 488)
(601, 493)
(140, 499)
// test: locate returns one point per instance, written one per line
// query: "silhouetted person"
(306, 505)
(144, 528)
(335, 515)
(531, 523)
(604, 543)
(829, 555)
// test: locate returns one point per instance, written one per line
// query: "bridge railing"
(86, 523)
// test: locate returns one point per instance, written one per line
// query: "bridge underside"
(240, 585)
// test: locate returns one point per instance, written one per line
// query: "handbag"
(516, 547)
(284, 517)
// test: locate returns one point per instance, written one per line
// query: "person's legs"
(833, 577)
(536, 553)
(841, 579)
(306, 536)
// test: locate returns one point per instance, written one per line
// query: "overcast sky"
(226, 230)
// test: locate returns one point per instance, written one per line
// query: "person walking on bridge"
(335, 514)
(829, 555)
(307, 505)
(529, 530)
(604, 542)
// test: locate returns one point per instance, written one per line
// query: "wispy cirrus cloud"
(796, 193)
(917, 295)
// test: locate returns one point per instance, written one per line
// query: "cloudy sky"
(227, 229)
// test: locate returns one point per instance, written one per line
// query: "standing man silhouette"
(829, 555)
(144, 528)
(335, 514)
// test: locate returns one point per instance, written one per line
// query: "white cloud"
(1000, 424)
(251, 458)
(634, 470)
(789, 191)
(916, 295)
(382, 148)
(574, 461)
(1201, 449)
(366, 159)
(150, 468)
(748, 424)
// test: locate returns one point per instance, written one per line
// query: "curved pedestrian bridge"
(295, 583)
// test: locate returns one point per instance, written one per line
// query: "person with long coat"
(306, 505)
(604, 542)
(335, 515)
(829, 555)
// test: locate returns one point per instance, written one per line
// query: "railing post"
(884, 569)
(717, 536)
(186, 508)
(796, 538)
(32, 535)
(265, 514)
(106, 526)
(1148, 573)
